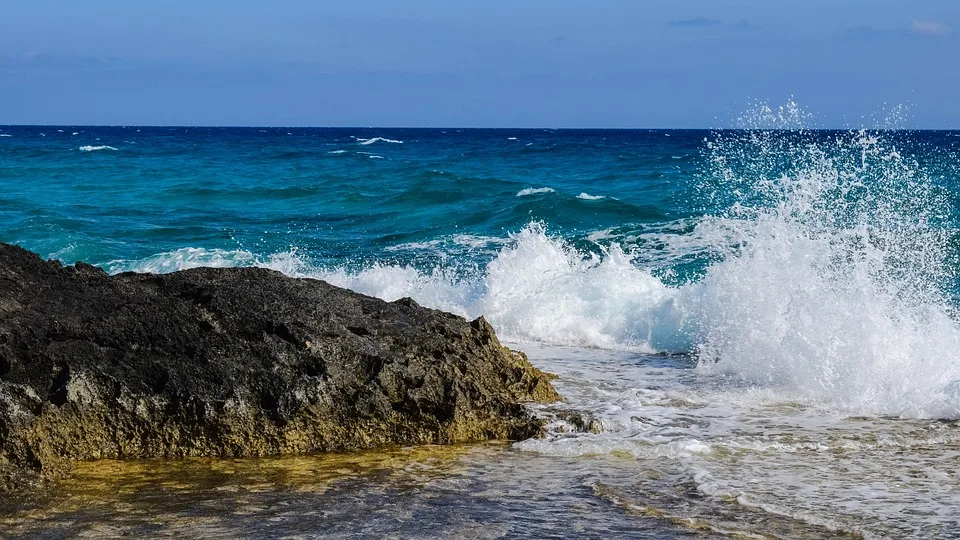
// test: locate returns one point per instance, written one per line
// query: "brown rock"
(236, 362)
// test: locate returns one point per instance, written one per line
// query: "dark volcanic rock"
(236, 362)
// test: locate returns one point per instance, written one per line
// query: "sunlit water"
(755, 331)
(671, 457)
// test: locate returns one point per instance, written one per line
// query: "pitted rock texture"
(236, 362)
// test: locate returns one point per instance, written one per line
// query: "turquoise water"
(323, 191)
(764, 318)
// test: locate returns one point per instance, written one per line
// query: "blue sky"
(517, 63)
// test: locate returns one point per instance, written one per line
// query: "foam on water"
(88, 148)
(373, 140)
(184, 259)
(835, 282)
(533, 191)
(588, 197)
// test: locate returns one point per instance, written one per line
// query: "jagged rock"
(236, 362)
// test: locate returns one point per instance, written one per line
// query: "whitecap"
(378, 139)
(588, 197)
(184, 259)
(89, 148)
(533, 191)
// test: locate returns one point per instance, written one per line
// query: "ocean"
(755, 330)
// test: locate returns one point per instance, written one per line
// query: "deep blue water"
(321, 191)
(337, 201)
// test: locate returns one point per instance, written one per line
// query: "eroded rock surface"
(236, 362)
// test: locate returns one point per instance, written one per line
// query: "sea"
(755, 330)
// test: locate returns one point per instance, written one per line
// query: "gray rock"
(236, 362)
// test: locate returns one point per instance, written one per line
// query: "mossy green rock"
(236, 362)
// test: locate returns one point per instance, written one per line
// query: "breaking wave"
(373, 140)
(534, 191)
(89, 148)
(828, 276)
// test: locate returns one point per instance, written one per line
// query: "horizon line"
(244, 126)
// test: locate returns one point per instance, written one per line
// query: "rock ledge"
(236, 362)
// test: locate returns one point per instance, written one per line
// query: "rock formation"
(235, 362)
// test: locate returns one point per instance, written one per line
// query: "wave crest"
(88, 148)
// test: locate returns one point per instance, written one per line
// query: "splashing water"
(835, 283)
(826, 275)
(830, 282)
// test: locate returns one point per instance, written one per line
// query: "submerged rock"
(236, 362)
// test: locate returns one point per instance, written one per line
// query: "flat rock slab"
(236, 362)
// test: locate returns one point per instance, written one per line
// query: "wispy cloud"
(931, 28)
(916, 29)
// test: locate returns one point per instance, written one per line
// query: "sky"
(442, 63)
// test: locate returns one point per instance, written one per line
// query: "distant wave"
(337, 152)
(378, 139)
(534, 191)
(96, 148)
(5, 135)
(588, 197)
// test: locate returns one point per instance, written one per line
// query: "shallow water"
(753, 460)
(662, 458)
(479, 491)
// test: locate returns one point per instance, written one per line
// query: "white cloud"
(931, 28)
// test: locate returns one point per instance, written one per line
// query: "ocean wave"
(5, 135)
(812, 293)
(539, 289)
(460, 242)
(826, 279)
(89, 148)
(534, 191)
(588, 197)
(184, 259)
(373, 140)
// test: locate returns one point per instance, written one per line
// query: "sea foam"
(89, 148)
(534, 191)
(373, 140)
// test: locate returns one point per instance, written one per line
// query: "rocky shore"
(235, 362)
